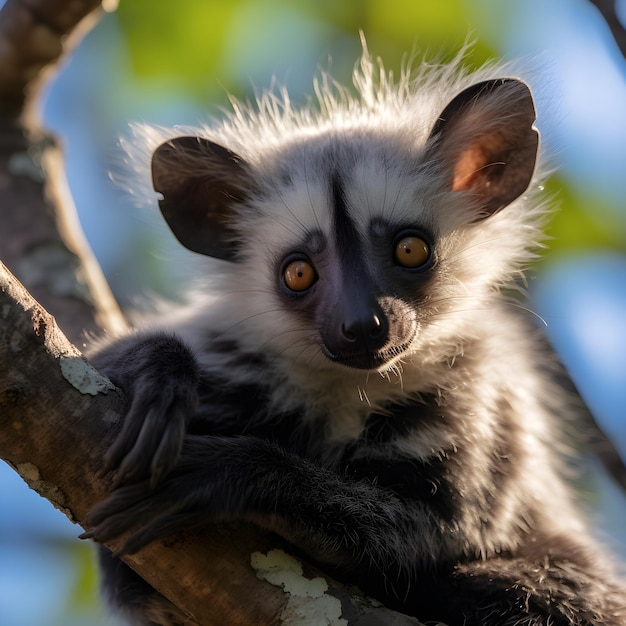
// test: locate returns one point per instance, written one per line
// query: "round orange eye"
(299, 275)
(412, 251)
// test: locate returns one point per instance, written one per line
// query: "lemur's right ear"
(201, 183)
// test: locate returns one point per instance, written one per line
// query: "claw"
(88, 534)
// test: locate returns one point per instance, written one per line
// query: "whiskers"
(433, 308)
(528, 310)
(363, 395)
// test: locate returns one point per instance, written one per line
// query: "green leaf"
(583, 223)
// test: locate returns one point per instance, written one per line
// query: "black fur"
(356, 508)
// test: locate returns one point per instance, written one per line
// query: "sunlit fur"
(472, 343)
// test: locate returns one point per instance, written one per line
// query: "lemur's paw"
(163, 398)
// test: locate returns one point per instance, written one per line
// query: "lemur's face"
(358, 283)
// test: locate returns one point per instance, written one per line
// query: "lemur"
(352, 370)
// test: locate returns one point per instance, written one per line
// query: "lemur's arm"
(336, 518)
(325, 511)
(389, 536)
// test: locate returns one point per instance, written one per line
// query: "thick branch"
(57, 416)
(34, 35)
(608, 9)
(40, 239)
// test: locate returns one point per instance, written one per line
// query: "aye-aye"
(352, 372)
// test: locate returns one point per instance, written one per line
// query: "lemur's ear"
(487, 144)
(201, 183)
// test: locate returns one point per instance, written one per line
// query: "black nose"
(366, 331)
(354, 329)
(360, 326)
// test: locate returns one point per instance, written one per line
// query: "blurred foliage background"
(176, 62)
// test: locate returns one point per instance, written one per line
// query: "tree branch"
(35, 34)
(40, 238)
(609, 12)
(57, 417)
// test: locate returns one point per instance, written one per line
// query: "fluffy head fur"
(375, 137)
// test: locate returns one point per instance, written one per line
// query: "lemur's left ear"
(487, 144)
(201, 183)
